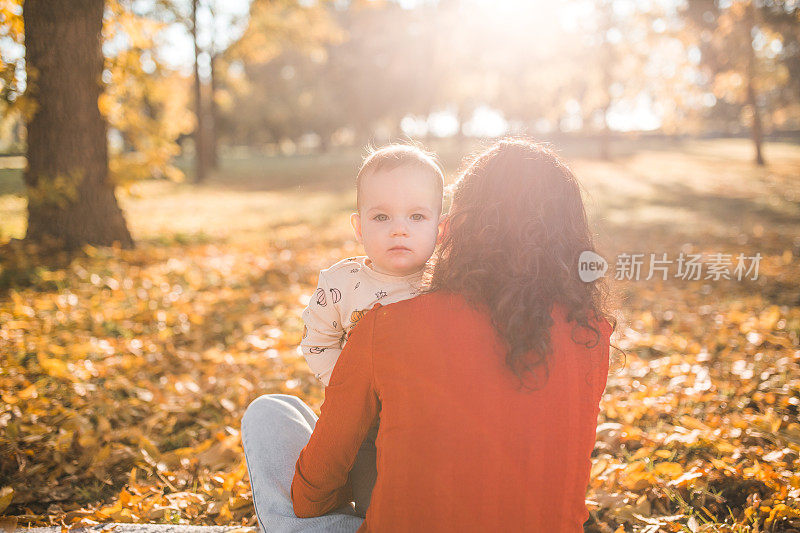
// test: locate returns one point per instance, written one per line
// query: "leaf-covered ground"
(124, 374)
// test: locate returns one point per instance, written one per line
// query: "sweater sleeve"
(323, 331)
(351, 406)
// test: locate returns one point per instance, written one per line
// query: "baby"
(399, 201)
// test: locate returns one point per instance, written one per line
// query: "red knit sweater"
(460, 448)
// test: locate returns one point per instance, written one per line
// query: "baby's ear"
(444, 227)
(355, 221)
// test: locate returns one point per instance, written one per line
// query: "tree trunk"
(70, 197)
(608, 60)
(605, 137)
(213, 154)
(200, 147)
(324, 142)
(755, 131)
(752, 100)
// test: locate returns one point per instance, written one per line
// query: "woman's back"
(461, 447)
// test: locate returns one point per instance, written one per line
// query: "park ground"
(125, 373)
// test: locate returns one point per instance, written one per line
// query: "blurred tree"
(784, 49)
(368, 65)
(286, 98)
(507, 53)
(385, 68)
(187, 14)
(216, 32)
(609, 50)
(12, 69)
(608, 58)
(276, 80)
(144, 112)
(462, 72)
(200, 145)
(70, 197)
(213, 115)
(748, 51)
(11, 65)
(140, 100)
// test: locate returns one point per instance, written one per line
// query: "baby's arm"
(322, 335)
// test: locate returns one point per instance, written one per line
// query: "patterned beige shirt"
(344, 293)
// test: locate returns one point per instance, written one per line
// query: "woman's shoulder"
(424, 318)
(440, 297)
(426, 300)
(431, 307)
(444, 306)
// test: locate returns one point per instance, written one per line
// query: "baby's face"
(398, 222)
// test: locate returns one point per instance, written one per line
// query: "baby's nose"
(399, 228)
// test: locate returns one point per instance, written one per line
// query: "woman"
(487, 386)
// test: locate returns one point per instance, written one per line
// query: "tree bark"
(70, 197)
(605, 136)
(756, 132)
(752, 100)
(200, 147)
(213, 141)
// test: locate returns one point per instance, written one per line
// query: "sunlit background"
(235, 129)
(292, 76)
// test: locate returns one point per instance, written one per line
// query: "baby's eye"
(417, 216)
(380, 217)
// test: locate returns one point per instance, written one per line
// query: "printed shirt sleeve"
(351, 405)
(322, 334)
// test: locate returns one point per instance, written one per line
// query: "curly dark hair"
(515, 231)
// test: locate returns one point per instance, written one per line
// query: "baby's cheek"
(434, 233)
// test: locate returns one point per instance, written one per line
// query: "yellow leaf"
(55, 349)
(109, 510)
(123, 515)
(54, 367)
(641, 453)
(669, 469)
(238, 502)
(6, 495)
(636, 466)
(224, 515)
(598, 467)
(28, 392)
(693, 423)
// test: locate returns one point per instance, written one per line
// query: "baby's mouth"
(399, 249)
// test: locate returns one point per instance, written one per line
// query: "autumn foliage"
(125, 373)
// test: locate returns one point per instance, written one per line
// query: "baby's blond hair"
(392, 156)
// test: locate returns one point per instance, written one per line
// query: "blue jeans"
(275, 428)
